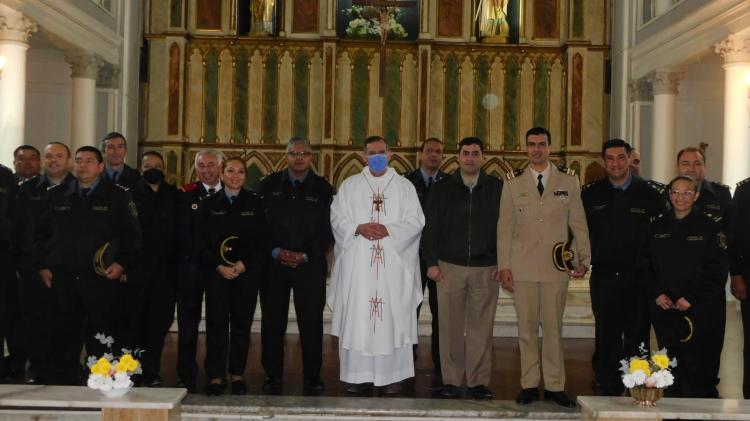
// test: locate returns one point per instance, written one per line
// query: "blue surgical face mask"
(378, 162)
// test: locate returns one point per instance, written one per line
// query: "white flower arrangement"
(362, 25)
(648, 371)
(111, 375)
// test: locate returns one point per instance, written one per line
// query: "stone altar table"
(624, 408)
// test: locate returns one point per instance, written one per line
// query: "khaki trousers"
(467, 300)
(541, 303)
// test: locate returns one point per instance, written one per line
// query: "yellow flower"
(128, 363)
(640, 364)
(101, 367)
(661, 361)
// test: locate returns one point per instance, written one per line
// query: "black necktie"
(429, 183)
(85, 192)
(114, 176)
(297, 184)
(211, 190)
(231, 199)
(539, 185)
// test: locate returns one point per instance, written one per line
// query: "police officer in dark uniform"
(431, 156)
(688, 268)
(114, 148)
(35, 298)
(714, 200)
(87, 240)
(233, 240)
(739, 265)
(153, 284)
(7, 275)
(297, 203)
(191, 283)
(618, 209)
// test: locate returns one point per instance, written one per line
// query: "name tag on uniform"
(247, 213)
(561, 193)
(311, 199)
(695, 238)
(276, 193)
(218, 212)
(638, 210)
(62, 208)
(522, 194)
(662, 235)
(712, 206)
(100, 208)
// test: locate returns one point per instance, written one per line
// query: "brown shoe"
(394, 389)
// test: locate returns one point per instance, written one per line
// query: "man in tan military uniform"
(539, 209)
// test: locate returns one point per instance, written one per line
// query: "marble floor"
(505, 375)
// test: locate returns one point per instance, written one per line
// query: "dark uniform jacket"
(189, 218)
(8, 188)
(687, 257)
(157, 214)
(128, 178)
(739, 230)
(461, 223)
(243, 219)
(298, 218)
(30, 201)
(72, 228)
(618, 220)
(422, 192)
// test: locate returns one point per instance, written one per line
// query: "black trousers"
(230, 305)
(86, 305)
(694, 374)
(155, 291)
(18, 298)
(39, 307)
(6, 278)
(308, 282)
(435, 333)
(190, 288)
(622, 323)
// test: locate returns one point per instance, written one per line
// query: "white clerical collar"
(545, 174)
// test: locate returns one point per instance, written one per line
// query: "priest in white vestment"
(375, 280)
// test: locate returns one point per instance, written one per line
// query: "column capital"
(734, 49)
(83, 65)
(108, 76)
(14, 26)
(640, 90)
(665, 81)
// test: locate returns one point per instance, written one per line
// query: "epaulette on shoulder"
(509, 175)
(188, 187)
(55, 186)
(587, 186)
(659, 187)
(566, 170)
(715, 218)
(743, 182)
(124, 188)
(657, 217)
(720, 185)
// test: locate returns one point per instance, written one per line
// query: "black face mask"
(153, 175)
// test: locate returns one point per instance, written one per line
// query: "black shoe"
(450, 391)
(272, 386)
(526, 396)
(393, 389)
(313, 386)
(559, 398)
(187, 384)
(480, 392)
(359, 388)
(215, 389)
(239, 387)
(155, 381)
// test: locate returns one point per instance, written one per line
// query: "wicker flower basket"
(646, 396)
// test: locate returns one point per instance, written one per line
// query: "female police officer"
(232, 238)
(688, 270)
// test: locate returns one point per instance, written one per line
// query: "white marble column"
(84, 68)
(736, 53)
(664, 83)
(15, 29)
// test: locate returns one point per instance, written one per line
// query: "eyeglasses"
(303, 154)
(685, 193)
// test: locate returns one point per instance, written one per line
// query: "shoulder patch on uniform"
(720, 185)
(721, 238)
(659, 187)
(743, 182)
(188, 187)
(133, 209)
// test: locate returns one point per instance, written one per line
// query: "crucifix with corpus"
(384, 7)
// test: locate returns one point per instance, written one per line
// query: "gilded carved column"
(736, 53)
(664, 83)
(84, 70)
(15, 30)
